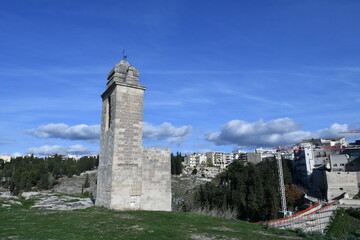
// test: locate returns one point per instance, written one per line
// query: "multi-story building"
(195, 159)
(315, 153)
(231, 157)
(253, 157)
(239, 155)
(217, 159)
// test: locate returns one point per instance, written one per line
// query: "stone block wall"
(342, 182)
(130, 177)
(156, 172)
(104, 181)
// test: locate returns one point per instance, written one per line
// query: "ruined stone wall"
(156, 179)
(342, 182)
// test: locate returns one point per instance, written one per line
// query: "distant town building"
(195, 159)
(331, 167)
(253, 157)
(231, 157)
(217, 159)
(6, 158)
(314, 153)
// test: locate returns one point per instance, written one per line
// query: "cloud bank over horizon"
(64, 131)
(237, 133)
(46, 150)
(281, 131)
(166, 131)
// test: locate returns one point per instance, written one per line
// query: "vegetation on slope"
(23, 174)
(100, 223)
(252, 190)
(345, 225)
(176, 163)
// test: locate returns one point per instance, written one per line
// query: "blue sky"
(220, 75)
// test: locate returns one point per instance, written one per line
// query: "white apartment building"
(195, 159)
(217, 159)
(231, 157)
(318, 151)
(314, 153)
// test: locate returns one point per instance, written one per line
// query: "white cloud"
(167, 132)
(15, 155)
(281, 131)
(196, 151)
(63, 131)
(53, 149)
(264, 100)
(335, 130)
(4, 141)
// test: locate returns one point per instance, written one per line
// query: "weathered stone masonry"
(130, 176)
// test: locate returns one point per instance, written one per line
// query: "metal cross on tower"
(124, 56)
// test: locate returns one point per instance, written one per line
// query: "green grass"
(344, 227)
(100, 223)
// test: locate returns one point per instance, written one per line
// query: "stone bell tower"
(129, 176)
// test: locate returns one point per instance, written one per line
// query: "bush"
(355, 213)
(86, 194)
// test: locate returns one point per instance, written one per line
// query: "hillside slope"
(100, 223)
(344, 226)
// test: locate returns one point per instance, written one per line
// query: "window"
(108, 114)
(335, 165)
(109, 111)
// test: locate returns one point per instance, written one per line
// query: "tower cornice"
(112, 85)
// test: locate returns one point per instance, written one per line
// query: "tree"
(22, 174)
(251, 189)
(176, 163)
(2, 164)
(87, 183)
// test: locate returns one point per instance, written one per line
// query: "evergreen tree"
(87, 183)
(23, 174)
(252, 189)
(176, 163)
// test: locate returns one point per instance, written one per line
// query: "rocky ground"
(45, 200)
(74, 185)
(183, 189)
(60, 197)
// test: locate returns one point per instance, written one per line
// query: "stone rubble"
(7, 195)
(47, 200)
